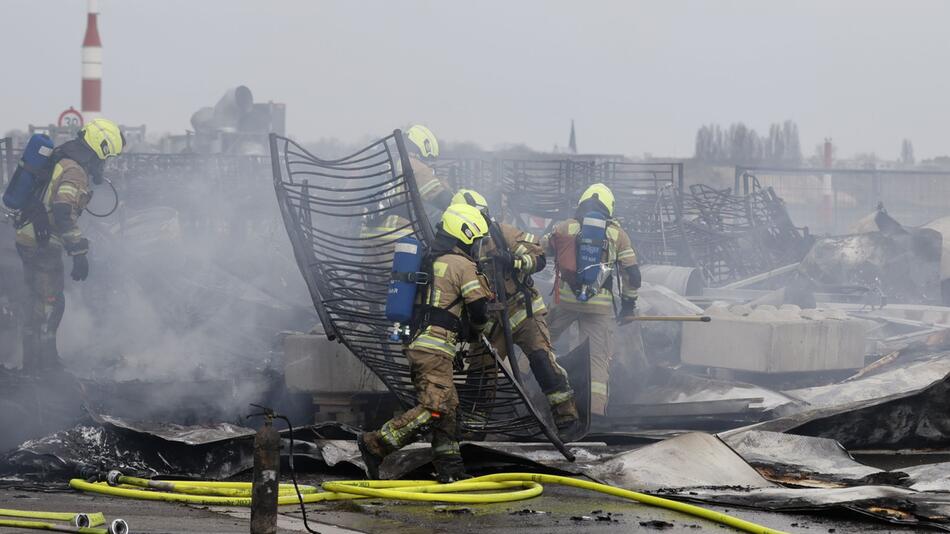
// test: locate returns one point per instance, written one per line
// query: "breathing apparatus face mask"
(95, 171)
(475, 249)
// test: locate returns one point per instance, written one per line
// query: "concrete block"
(313, 364)
(769, 340)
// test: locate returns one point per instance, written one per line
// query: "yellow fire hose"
(116, 527)
(503, 487)
(75, 519)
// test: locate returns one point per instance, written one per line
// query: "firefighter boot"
(565, 414)
(449, 468)
(372, 453)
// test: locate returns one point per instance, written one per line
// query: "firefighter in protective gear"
(387, 226)
(42, 238)
(423, 150)
(595, 316)
(521, 255)
(454, 304)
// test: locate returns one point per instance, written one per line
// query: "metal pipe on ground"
(682, 280)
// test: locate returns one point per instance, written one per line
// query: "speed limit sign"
(71, 119)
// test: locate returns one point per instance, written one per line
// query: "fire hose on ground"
(497, 488)
(74, 522)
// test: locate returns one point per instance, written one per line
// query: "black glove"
(80, 267)
(506, 259)
(628, 306)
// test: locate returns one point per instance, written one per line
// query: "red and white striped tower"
(92, 65)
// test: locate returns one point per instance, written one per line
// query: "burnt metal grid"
(211, 192)
(223, 168)
(545, 189)
(480, 174)
(147, 178)
(831, 200)
(734, 236)
(726, 236)
(331, 209)
(632, 181)
(778, 237)
(655, 226)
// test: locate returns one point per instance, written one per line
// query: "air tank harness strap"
(421, 278)
(427, 315)
(498, 237)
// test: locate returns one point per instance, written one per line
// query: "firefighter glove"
(80, 268)
(507, 260)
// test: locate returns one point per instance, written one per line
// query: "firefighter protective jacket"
(618, 253)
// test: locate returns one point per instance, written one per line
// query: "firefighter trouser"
(44, 276)
(600, 330)
(436, 410)
(532, 337)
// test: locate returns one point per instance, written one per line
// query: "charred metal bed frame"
(332, 210)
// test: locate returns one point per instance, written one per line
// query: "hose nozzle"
(119, 526)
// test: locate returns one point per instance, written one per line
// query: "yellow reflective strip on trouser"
(557, 397)
(537, 306)
(598, 388)
(430, 342)
(474, 285)
(450, 448)
(396, 438)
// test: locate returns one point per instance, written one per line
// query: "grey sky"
(636, 76)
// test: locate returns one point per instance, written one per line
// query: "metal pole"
(669, 318)
(682, 178)
(266, 480)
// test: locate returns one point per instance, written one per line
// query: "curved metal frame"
(332, 210)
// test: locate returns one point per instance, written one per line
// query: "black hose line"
(114, 206)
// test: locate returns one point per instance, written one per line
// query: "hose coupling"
(118, 526)
(113, 477)
(81, 521)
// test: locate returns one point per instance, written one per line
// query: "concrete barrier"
(767, 339)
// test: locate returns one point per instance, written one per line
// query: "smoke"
(190, 280)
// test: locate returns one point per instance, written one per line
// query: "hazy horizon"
(637, 77)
